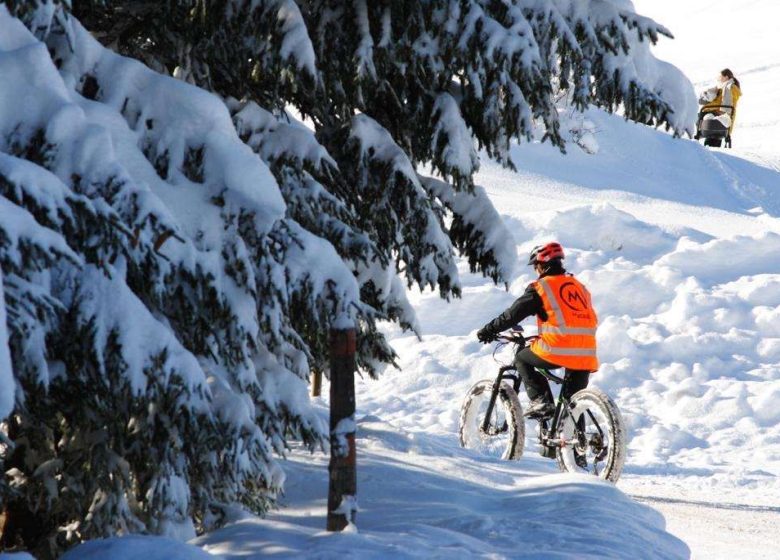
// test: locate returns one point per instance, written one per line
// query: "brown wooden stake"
(342, 489)
(316, 383)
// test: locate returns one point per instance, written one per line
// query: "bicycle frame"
(561, 406)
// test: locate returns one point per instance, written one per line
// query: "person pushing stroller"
(716, 118)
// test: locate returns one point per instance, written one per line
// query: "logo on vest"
(573, 297)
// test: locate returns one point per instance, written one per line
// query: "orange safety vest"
(568, 337)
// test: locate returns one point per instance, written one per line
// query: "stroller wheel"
(713, 142)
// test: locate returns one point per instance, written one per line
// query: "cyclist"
(567, 330)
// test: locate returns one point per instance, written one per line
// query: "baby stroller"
(712, 130)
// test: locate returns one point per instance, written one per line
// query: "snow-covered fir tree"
(172, 258)
(441, 77)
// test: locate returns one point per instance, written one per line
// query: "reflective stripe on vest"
(566, 351)
(566, 330)
(553, 302)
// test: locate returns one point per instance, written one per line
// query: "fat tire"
(507, 398)
(616, 455)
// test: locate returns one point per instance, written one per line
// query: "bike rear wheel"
(505, 436)
(595, 435)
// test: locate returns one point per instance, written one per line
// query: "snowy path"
(716, 531)
(685, 273)
(421, 496)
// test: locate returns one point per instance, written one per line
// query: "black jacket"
(530, 303)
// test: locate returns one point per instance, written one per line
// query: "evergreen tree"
(176, 259)
(152, 286)
(439, 76)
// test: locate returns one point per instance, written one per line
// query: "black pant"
(537, 387)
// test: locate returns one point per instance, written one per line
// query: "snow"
(482, 220)
(686, 283)
(169, 117)
(19, 227)
(422, 497)
(678, 245)
(274, 139)
(378, 151)
(122, 158)
(296, 45)
(664, 79)
(451, 131)
(339, 434)
(137, 547)
(684, 347)
(106, 300)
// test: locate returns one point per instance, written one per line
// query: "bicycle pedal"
(547, 452)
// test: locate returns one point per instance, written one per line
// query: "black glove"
(485, 335)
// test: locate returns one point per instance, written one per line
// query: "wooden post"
(342, 490)
(316, 383)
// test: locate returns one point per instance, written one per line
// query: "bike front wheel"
(503, 436)
(594, 436)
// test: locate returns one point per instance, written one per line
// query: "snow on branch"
(403, 216)
(477, 230)
(452, 143)
(296, 45)
(302, 167)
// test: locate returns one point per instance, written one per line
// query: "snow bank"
(688, 340)
(636, 163)
(422, 497)
(138, 547)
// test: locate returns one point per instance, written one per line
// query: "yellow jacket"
(728, 94)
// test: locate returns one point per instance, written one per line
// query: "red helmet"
(546, 253)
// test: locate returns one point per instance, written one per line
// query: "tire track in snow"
(750, 193)
(721, 530)
(704, 504)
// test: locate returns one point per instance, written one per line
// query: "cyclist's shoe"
(540, 409)
(547, 452)
(581, 460)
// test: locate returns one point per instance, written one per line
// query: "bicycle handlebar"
(516, 338)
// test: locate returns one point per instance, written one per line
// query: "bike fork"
(494, 396)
